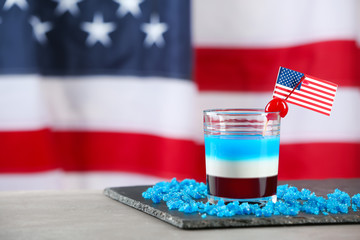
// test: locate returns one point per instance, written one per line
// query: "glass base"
(261, 201)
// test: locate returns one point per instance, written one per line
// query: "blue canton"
(71, 38)
(289, 78)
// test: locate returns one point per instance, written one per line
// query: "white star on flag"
(22, 4)
(67, 6)
(98, 31)
(40, 29)
(129, 6)
(154, 31)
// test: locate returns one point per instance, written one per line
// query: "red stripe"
(322, 86)
(312, 89)
(25, 152)
(236, 69)
(304, 91)
(316, 110)
(33, 151)
(293, 96)
(317, 95)
(304, 101)
(302, 95)
(321, 80)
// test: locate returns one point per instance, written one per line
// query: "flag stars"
(290, 78)
(154, 31)
(40, 29)
(98, 31)
(129, 6)
(67, 6)
(22, 4)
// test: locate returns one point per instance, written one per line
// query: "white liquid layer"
(242, 169)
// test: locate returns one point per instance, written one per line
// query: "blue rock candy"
(340, 196)
(182, 195)
(355, 201)
(174, 203)
(305, 194)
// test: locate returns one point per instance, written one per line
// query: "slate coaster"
(131, 196)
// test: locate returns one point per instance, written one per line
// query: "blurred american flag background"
(111, 93)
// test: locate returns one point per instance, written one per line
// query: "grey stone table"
(91, 215)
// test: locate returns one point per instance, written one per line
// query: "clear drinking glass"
(242, 154)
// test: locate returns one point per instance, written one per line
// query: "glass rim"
(238, 111)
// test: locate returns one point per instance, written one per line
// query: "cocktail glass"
(242, 154)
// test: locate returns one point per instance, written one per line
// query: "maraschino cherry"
(277, 105)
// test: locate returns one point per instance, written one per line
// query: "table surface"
(91, 215)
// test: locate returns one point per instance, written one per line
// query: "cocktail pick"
(277, 105)
(280, 105)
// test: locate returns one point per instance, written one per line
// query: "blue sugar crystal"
(174, 204)
(338, 202)
(340, 196)
(305, 194)
(245, 208)
(293, 211)
(146, 194)
(200, 206)
(276, 212)
(212, 211)
(268, 209)
(221, 202)
(256, 210)
(182, 196)
(220, 214)
(286, 209)
(343, 208)
(233, 206)
(267, 212)
(209, 208)
(185, 208)
(185, 197)
(354, 208)
(291, 194)
(156, 198)
(356, 200)
(331, 206)
(281, 190)
(224, 212)
(310, 208)
(320, 202)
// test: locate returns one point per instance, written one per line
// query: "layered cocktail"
(242, 154)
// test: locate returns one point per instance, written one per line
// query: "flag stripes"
(316, 89)
(328, 86)
(312, 105)
(282, 94)
(319, 95)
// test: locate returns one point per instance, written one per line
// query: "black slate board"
(131, 196)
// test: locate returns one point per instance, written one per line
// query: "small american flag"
(310, 92)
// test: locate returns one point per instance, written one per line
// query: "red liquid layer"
(241, 188)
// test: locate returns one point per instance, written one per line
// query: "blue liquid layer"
(238, 148)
